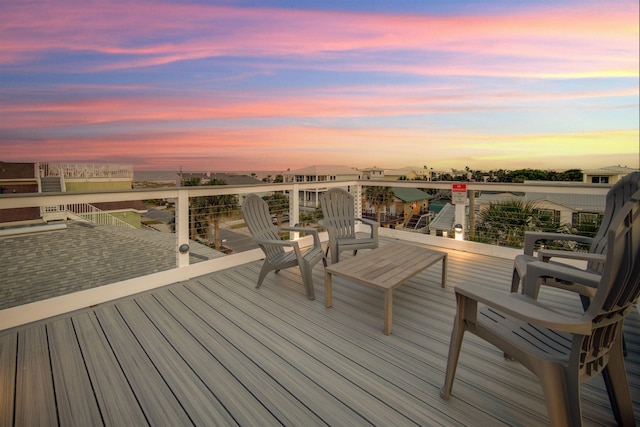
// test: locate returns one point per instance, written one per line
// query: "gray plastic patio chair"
(563, 350)
(257, 217)
(339, 220)
(617, 196)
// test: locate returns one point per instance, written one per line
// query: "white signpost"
(459, 194)
(459, 198)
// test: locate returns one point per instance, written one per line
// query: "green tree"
(572, 175)
(504, 223)
(278, 205)
(208, 211)
(221, 206)
(194, 219)
(379, 197)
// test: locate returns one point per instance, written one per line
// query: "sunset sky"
(276, 84)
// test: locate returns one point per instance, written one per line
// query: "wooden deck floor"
(215, 351)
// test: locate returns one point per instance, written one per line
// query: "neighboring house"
(19, 178)
(309, 198)
(606, 175)
(373, 173)
(564, 208)
(70, 177)
(409, 201)
(569, 208)
(408, 173)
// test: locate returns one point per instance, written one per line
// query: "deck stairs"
(51, 184)
(417, 222)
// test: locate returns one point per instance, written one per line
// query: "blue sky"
(271, 85)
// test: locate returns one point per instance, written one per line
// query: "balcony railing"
(150, 259)
(85, 170)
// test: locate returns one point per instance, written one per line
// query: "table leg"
(444, 270)
(328, 279)
(388, 310)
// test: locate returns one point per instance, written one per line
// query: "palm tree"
(193, 208)
(504, 223)
(278, 204)
(379, 197)
(219, 207)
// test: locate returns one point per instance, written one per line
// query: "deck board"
(189, 389)
(216, 351)
(75, 399)
(34, 386)
(8, 351)
(117, 402)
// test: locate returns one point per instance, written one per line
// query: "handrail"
(184, 270)
(96, 216)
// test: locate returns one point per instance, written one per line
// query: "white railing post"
(182, 229)
(294, 209)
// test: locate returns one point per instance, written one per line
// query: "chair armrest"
(531, 237)
(284, 243)
(371, 223)
(526, 309)
(308, 230)
(538, 269)
(546, 254)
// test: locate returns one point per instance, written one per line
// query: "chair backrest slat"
(618, 195)
(258, 219)
(619, 285)
(339, 211)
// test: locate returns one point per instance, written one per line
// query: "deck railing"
(85, 170)
(195, 210)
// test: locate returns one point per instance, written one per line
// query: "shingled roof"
(409, 195)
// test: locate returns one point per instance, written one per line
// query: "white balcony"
(170, 338)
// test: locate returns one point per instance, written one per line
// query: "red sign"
(459, 188)
(459, 193)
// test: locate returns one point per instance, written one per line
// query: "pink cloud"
(594, 39)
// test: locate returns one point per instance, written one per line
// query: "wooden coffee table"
(386, 268)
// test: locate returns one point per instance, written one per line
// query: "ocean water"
(155, 176)
(173, 176)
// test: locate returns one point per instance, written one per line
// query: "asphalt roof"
(445, 218)
(79, 256)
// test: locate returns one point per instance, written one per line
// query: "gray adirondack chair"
(257, 217)
(617, 196)
(339, 220)
(563, 350)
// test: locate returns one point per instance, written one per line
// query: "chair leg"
(454, 349)
(562, 397)
(515, 280)
(615, 379)
(307, 279)
(263, 273)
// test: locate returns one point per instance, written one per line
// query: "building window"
(299, 178)
(311, 178)
(586, 218)
(599, 179)
(549, 215)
